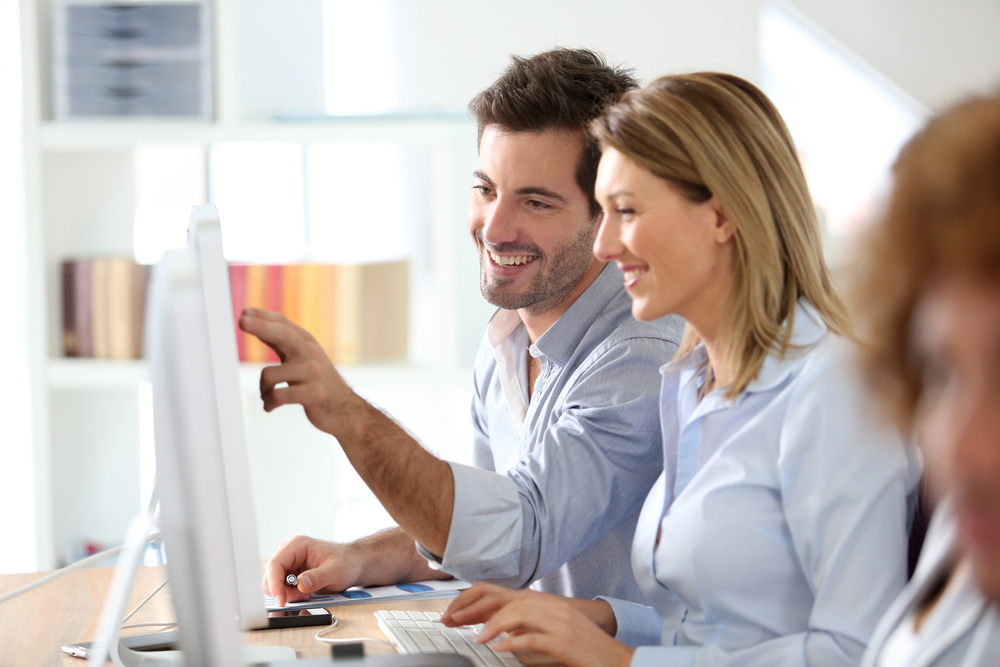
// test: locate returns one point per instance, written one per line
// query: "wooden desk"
(34, 625)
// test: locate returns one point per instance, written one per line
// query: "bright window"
(359, 55)
(169, 180)
(847, 120)
(258, 188)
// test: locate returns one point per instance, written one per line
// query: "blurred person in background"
(932, 301)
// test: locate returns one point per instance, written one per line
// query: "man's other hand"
(321, 567)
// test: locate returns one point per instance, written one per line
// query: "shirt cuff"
(638, 625)
(484, 541)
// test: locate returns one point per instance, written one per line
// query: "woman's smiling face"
(675, 254)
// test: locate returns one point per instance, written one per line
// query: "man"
(565, 411)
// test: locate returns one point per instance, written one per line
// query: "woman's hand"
(572, 631)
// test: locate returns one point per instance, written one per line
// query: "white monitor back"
(205, 240)
(194, 507)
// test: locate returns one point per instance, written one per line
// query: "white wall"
(935, 51)
(448, 50)
(459, 49)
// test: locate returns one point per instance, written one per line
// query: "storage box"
(131, 59)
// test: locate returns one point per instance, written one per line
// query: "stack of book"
(357, 313)
(104, 299)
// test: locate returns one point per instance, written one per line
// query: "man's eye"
(482, 189)
(538, 205)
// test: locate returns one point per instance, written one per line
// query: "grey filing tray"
(131, 58)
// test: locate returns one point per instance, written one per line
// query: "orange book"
(347, 304)
(311, 298)
(291, 291)
(256, 296)
(326, 332)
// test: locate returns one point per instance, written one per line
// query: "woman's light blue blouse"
(777, 534)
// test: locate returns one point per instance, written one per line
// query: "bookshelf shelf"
(66, 374)
(430, 130)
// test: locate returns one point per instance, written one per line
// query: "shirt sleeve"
(845, 480)
(638, 625)
(591, 471)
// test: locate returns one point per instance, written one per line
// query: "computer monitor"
(195, 519)
(205, 240)
(207, 516)
(207, 519)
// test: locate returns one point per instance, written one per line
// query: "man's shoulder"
(618, 324)
(604, 312)
(669, 329)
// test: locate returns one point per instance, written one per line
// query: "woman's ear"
(723, 227)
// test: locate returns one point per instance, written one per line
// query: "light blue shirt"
(559, 480)
(963, 628)
(777, 534)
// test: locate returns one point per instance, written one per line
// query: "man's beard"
(561, 272)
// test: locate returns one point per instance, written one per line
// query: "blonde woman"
(777, 533)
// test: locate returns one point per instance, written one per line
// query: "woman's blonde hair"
(942, 219)
(717, 135)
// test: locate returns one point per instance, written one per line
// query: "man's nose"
(500, 223)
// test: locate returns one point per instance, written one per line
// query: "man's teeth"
(511, 260)
(632, 274)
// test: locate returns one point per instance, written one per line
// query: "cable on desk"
(80, 564)
(140, 605)
(150, 625)
(147, 599)
(151, 511)
(336, 622)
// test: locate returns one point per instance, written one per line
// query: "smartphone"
(294, 618)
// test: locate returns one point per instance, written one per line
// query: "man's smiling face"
(530, 219)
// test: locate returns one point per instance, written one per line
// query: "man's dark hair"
(561, 89)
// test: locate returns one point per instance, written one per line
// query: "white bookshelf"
(80, 201)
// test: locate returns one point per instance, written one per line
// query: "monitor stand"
(109, 646)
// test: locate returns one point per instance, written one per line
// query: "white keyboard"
(423, 632)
